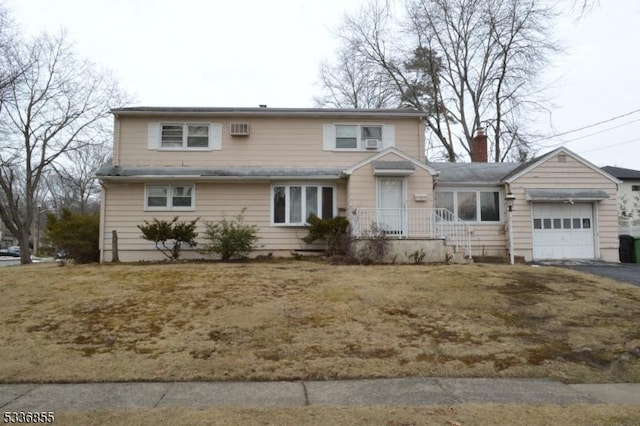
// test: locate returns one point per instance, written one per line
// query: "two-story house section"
(280, 164)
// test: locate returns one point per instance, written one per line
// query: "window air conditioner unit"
(372, 143)
(239, 129)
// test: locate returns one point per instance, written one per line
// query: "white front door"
(391, 205)
(563, 231)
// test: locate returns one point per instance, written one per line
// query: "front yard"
(287, 320)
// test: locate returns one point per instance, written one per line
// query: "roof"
(399, 165)
(566, 194)
(525, 168)
(118, 172)
(498, 173)
(263, 111)
(393, 165)
(473, 173)
(622, 174)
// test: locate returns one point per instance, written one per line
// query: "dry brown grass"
(460, 415)
(285, 320)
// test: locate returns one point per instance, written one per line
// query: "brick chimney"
(479, 147)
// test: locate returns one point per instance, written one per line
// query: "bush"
(77, 234)
(333, 230)
(161, 232)
(231, 238)
(375, 247)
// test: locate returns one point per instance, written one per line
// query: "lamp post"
(510, 198)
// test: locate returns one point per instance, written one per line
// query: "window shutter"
(388, 136)
(328, 137)
(215, 136)
(153, 136)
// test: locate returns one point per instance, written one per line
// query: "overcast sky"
(251, 52)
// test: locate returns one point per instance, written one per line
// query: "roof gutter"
(264, 112)
(142, 178)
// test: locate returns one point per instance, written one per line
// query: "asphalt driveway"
(627, 272)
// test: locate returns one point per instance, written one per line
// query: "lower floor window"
(293, 204)
(169, 197)
(472, 206)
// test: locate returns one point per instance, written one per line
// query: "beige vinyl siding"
(362, 186)
(421, 183)
(569, 174)
(125, 211)
(272, 142)
(361, 189)
(489, 239)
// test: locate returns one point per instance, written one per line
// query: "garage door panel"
(563, 231)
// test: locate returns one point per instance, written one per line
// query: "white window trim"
(185, 137)
(478, 220)
(388, 139)
(169, 206)
(359, 141)
(287, 185)
(154, 137)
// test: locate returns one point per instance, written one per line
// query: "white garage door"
(563, 231)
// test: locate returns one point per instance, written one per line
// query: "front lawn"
(288, 320)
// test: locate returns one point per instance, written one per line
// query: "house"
(628, 198)
(369, 165)
(6, 238)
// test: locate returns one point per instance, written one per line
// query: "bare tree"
(10, 67)
(466, 63)
(71, 183)
(352, 81)
(57, 106)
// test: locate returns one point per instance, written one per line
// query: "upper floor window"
(293, 204)
(185, 136)
(635, 188)
(357, 137)
(352, 137)
(169, 197)
(471, 206)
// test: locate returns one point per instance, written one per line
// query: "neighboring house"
(6, 238)
(628, 198)
(368, 165)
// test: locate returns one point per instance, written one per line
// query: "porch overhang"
(565, 195)
(392, 168)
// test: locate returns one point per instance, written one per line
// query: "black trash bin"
(626, 249)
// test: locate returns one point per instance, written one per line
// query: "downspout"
(116, 141)
(103, 204)
(422, 140)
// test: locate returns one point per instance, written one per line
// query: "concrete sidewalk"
(403, 391)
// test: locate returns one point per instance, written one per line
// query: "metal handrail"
(427, 223)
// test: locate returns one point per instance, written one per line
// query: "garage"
(563, 230)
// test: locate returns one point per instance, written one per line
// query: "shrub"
(417, 256)
(333, 230)
(77, 234)
(174, 233)
(231, 238)
(375, 246)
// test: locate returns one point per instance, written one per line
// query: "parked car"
(13, 251)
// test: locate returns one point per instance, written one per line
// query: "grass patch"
(286, 320)
(466, 414)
